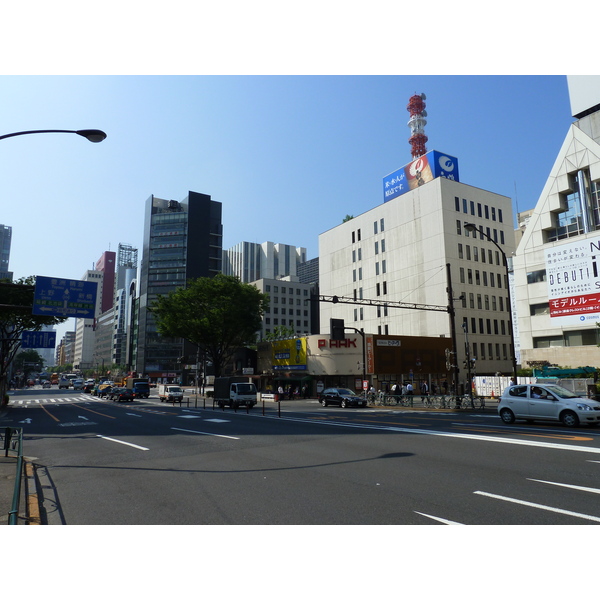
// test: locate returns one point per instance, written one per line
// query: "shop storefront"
(318, 362)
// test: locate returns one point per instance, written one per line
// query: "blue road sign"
(55, 297)
(38, 339)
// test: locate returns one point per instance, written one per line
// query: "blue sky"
(287, 156)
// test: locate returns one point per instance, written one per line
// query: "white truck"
(234, 392)
(169, 392)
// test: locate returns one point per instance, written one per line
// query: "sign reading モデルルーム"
(573, 278)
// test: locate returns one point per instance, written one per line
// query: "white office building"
(250, 261)
(397, 252)
(557, 278)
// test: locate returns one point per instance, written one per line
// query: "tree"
(218, 314)
(28, 361)
(16, 303)
(348, 218)
(280, 332)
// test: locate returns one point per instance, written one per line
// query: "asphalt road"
(144, 462)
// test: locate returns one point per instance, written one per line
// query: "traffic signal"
(336, 327)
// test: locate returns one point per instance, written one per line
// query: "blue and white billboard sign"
(55, 297)
(420, 171)
(38, 339)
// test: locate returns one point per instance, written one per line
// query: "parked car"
(77, 384)
(342, 397)
(547, 402)
(121, 394)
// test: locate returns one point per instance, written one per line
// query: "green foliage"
(348, 218)
(218, 314)
(280, 332)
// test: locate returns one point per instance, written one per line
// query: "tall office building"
(251, 262)
(397, 252)
(127, 260)
(556, 264)
(85, 336)
(5, 241)
(182, 240)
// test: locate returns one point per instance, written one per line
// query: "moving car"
(77, 384)
(342, 397)
(121, 394)
(547, 402)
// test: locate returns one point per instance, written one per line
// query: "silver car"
(547, 402)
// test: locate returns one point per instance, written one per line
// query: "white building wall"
(421, 235)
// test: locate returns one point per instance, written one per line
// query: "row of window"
(483, 210)
(483, 302)
(467, 252)
(487, 326)
(582, 337)
(378, 227)
(288, 322)
(283, 290)
(494, 234)
(481, 278)
(299, 302)
(357, 253)
(290, 311)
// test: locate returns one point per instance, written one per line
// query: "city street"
(144, 462)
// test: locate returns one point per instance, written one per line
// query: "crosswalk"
(24, 402)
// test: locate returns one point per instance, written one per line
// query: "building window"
(500, 215)
(457, 203)
(539, 309)
(468, 249)
(475, 253)
(460, 251)
(487, 211)
(472, 208)
(548, 341)
(381, 225)
(353, 255)
(458, 227)
(376, 268)
(375, 227)
(353, 237)
(384, 288)
(383, 269)
(493, 214)
(465, 206)
(462, 275)
(358, 235)
(376, 247)
(479, 305)
(383, 245)
(479, 209)
(483, 255)
(377, 289)
(471, 300)
(360, 254)
(536, 276)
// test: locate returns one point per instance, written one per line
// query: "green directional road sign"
(56, 297)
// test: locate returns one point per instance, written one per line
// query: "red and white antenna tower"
(417, 122)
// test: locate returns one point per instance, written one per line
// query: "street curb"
(33, 504)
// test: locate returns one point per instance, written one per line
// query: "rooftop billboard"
(421, 170)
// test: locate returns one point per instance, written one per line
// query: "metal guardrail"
(13, 442)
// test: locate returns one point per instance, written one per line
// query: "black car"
(121, 394)
(88, 387)
(342, 397)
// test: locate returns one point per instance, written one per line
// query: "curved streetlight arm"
(473, 228)
(93, 135)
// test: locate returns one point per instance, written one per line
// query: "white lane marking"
(465, 436)
(205, 433)
(534, 429)
(217, 421)
(541, 506)
(133, 415)
(567, 485)
(122, 442)
(445, 521)
(189, 417)
(595, 461)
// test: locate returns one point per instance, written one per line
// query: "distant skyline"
(287, 156)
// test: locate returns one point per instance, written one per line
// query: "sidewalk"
(8, 478)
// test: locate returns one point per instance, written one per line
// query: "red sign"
(337, 343)
(574, 305)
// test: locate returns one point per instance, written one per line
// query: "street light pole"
(473, 228)
(93, 135)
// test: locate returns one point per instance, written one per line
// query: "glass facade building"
(182, 240)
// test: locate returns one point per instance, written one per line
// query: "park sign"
(56, 297)
(38, 339)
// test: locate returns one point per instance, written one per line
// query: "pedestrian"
(424, 388)
(409, 389)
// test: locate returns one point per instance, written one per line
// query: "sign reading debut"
(421, 170)
(54, 297)
(573, 278)
(38, 339)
